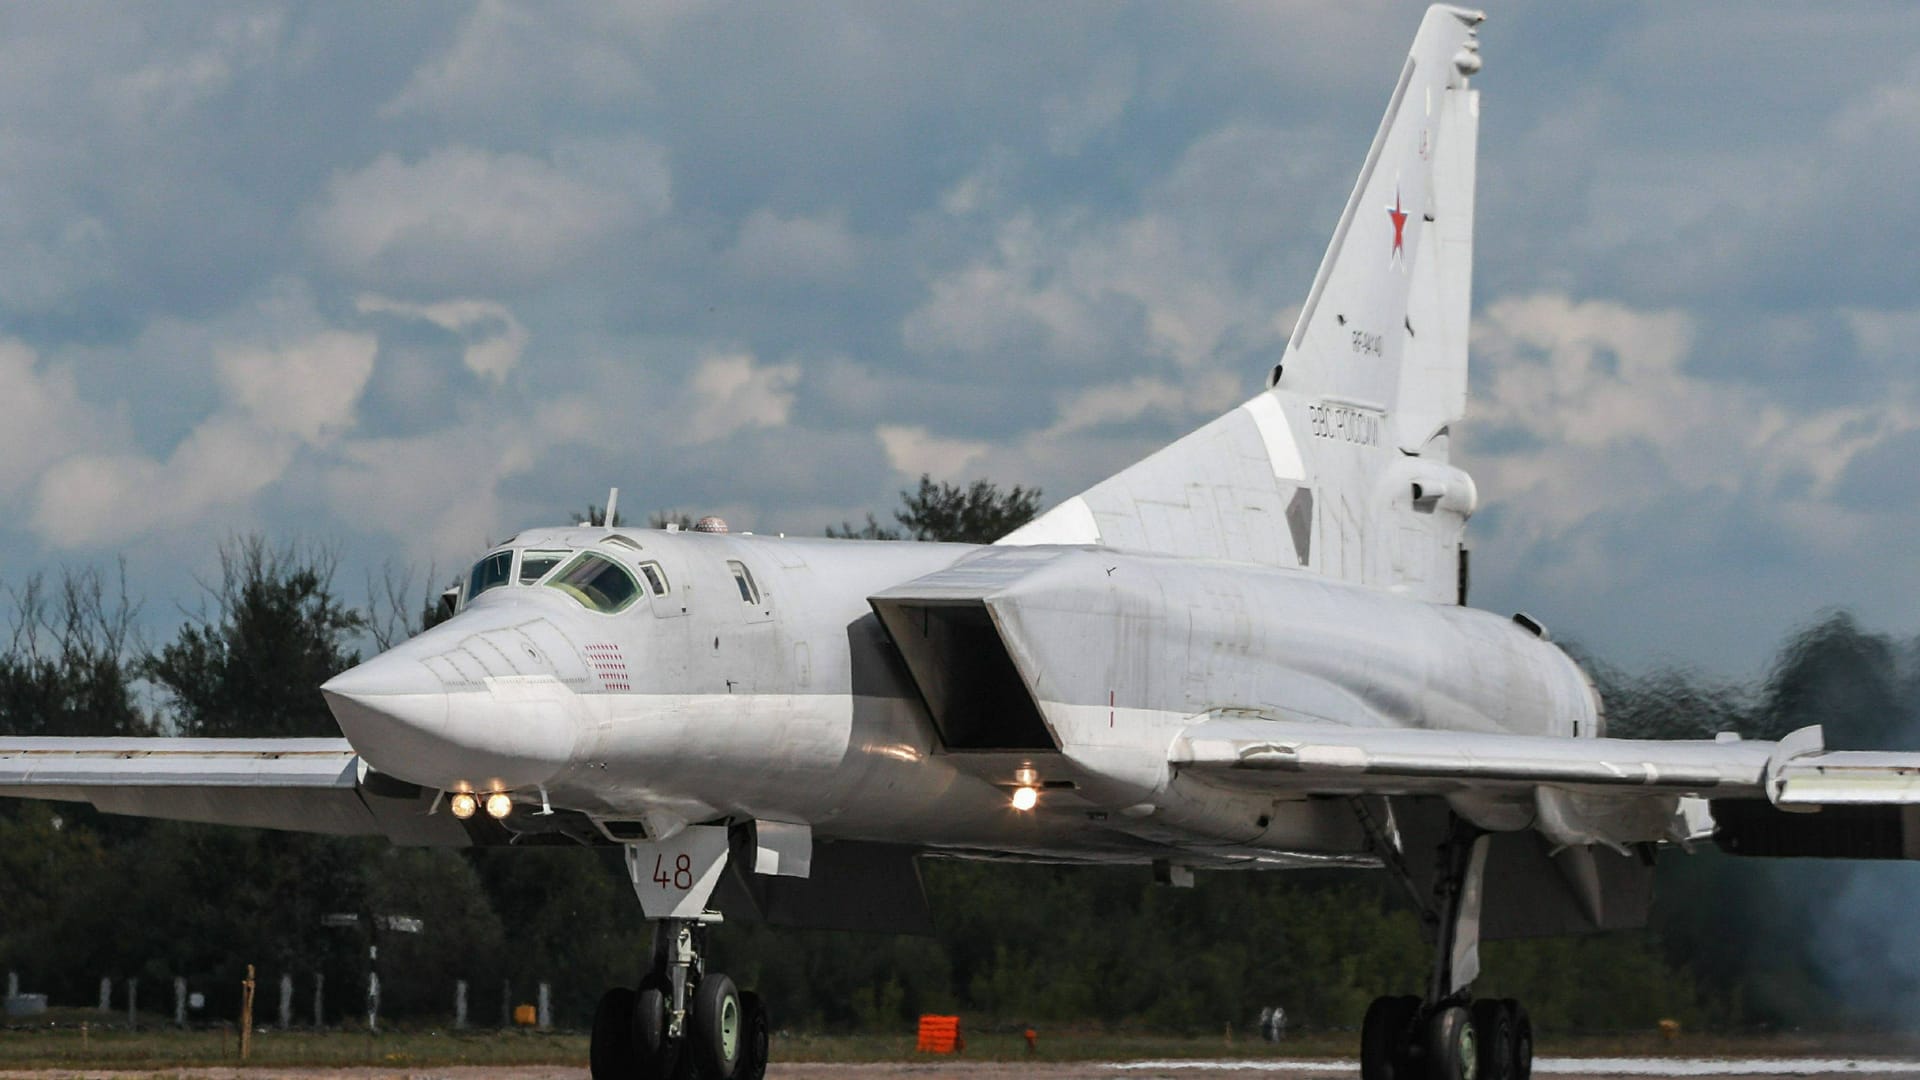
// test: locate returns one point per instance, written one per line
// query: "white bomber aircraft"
(1249, 650)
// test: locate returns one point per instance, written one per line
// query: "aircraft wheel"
(756, 1040)
(1522, 1040)
(1452, 1051)
(1386, 1038)
(654, 1053)
(1493, 1028)
(718, 1026)
(611, 1053)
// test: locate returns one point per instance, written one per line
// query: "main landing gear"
(681, 1022)
(1447, 1035)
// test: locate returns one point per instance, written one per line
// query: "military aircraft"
(1250, 650)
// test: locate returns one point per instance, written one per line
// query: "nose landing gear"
(682, 1022)
(1447, 1035)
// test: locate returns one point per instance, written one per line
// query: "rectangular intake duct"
(970, 684)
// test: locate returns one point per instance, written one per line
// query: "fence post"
(106, 993)
(373, 1001)
(13, 984)
(133, 1003)
(460, 1003)
(246, 1014)
(286, 1001)
(179, 1002)
(545, 1015)
(506, 1003)
(319, 1001)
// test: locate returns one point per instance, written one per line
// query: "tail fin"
(1341, 465)
(1403, 248)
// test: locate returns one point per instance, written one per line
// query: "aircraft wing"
(303, 785)
(1794, 772)
(1791, 797)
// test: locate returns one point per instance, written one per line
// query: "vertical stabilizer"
(1403, 248)
(1340, 466)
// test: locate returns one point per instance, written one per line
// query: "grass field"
(58, 1041)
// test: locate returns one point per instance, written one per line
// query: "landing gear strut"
(682, 1022)
(1447, 1035)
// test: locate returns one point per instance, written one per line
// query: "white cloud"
(1586, 410)
(1180, 280)
(731, 392)
(167, 89)
(494, 339)
(915, 451)
(102, 499)
(1203, 394)
(1886, 336)
(439, 494)
(1013, 300)
(1075, 117)
(460, 217)
(508, 56)
(276, 401)
(42, 418)
(308, 390)
(794, 248)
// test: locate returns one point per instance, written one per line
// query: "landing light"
(1025, 798)
(463, 804)
(499, 804)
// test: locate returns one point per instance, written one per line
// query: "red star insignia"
(1399, 217)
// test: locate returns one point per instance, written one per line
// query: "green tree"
(65, 671)
(254, 664)
(1837, 675)
(978, 513)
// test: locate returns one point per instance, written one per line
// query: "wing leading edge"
(301, 785)
(1606, 791)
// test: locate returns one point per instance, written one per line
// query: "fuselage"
(686, 677)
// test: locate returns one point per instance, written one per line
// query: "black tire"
(1452, 1050)
(756, 1038)
(1522, 1040)
(655, 1055)
(1386, 1038)
(1493, 1028)
(611, 1054)
(717, 1027)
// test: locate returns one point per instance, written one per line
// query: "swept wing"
(304, 785)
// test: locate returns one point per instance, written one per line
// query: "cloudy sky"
(403, 279)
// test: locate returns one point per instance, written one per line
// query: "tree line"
(1735, 944)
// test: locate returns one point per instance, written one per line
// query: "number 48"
(682, 876)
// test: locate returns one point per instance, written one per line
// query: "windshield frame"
(606, 605)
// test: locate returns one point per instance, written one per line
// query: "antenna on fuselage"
(613, 504)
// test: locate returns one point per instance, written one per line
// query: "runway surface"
(1596, 1068)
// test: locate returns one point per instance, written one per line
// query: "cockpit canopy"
(600, 580)
(497, 569)
(596, 581)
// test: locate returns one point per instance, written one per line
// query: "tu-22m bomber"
(1250, 650)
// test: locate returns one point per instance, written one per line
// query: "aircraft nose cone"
(394, 712)
(497, 733)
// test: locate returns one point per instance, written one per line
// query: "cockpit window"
(596, 581)
(656, 578)
(749, 594)
(535, 564)
(495, 569)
